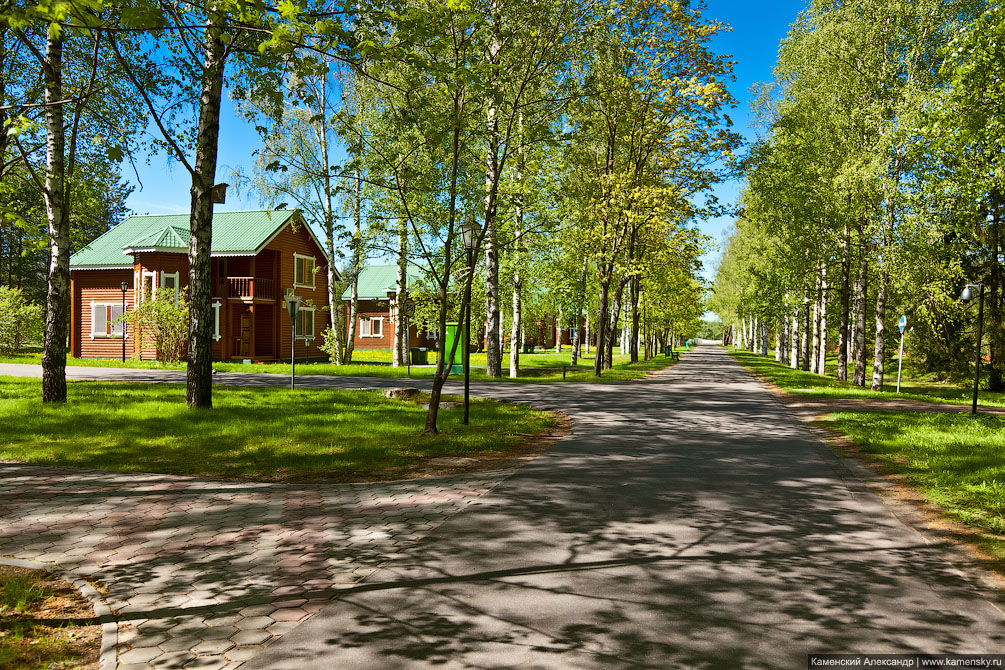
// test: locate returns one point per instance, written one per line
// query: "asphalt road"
(688, 521)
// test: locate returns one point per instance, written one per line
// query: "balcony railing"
(250, 288)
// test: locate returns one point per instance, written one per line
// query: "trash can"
(419, 355)
(666, 350)
(528, 348)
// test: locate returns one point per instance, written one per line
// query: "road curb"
(107, 657)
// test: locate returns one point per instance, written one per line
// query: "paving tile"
(210, 563)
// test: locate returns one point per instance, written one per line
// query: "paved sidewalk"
(204, 573)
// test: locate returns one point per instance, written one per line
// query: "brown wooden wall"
(102, 286)
(381, 308)
(284, 246)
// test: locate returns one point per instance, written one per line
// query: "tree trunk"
(493, 351)
(815, 362)
(804, 354)
(764, 339)
(514, 341)
(329, 225)
(613, 328)
(399, 359)
(57, 302)
(843, 300)
(861, 293)
(580, 300)
(558, 331)
(634, 343)
(794, 333)
(441, 355)
(779, 338)
(199, 374)
(822, 365)
(356, 261)
(878, 367)
(598, 359)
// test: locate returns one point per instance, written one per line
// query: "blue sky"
(757, 28)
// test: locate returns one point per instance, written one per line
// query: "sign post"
(900, 365)
(408, 311)
(293, 307)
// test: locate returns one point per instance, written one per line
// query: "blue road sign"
(902, 323)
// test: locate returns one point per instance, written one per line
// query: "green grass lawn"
(260, 433)
(810, 384)
(536, 367)
(956, 461)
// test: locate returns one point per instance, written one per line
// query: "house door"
(246, 334)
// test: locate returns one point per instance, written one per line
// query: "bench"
(668, 352)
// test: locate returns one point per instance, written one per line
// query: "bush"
(21, 321)
(164, 320)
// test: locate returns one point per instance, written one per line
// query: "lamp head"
(967, 294)
(124, 286)
(468, 235)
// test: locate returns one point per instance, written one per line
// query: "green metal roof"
(376, 280)
(234, 233)
(171, 237)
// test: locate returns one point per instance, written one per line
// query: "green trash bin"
(528, 348)
(419, 355)
(666, 351)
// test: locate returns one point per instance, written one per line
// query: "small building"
(376, 293)
(257, 257)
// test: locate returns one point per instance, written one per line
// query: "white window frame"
(152, 274)
(370, 320)
(300, 325)
(216, 320)
(314, 264)
(110, 329)
(177, 281)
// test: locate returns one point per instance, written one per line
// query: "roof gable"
(234, 234)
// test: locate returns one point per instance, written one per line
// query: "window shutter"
(114, 312)
(99, 323)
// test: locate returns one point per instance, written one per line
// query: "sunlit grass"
(814, 385)
(957, 461)
(537, 367)
(259, 433)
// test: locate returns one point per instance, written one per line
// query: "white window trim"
(106, 336)
(216, 320)
(177, 281)
(308, 338)
(314, 261)
(153, 285)
(372, 320)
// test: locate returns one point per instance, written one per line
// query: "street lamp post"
(468, 234)
(967, 296)
(293, 307)
(123, 286)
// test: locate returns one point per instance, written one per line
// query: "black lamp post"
(468, 235)
(967, 296)
(123, 286)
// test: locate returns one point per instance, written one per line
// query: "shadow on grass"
(261, 432)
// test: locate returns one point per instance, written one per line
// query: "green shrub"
(21, 321)
(164, 320)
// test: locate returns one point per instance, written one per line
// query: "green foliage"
(21, 322)
(162, 321)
